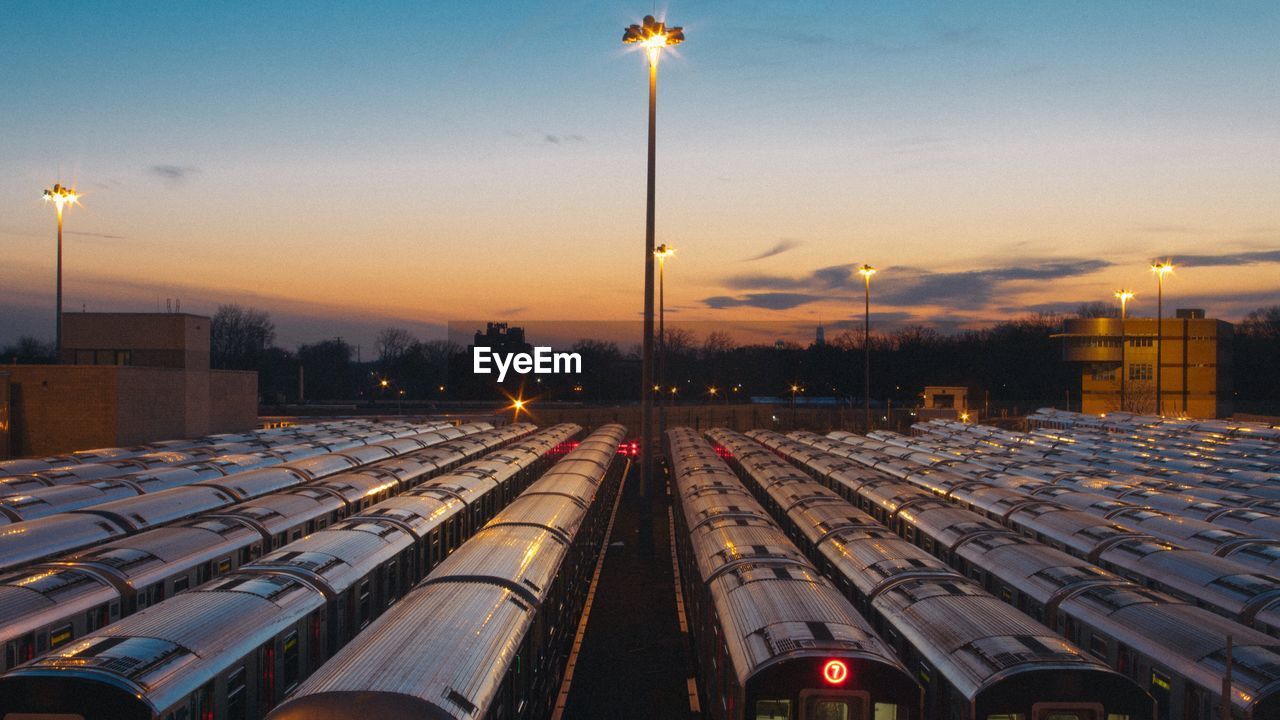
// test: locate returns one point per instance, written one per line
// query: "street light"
(61, 197)
(794, 389)
(866, 271)
(1160, 269)
(662, 252)
(1124, 296)
(653, 36)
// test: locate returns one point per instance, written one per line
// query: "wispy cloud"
(173, 173)
(778, 248)
(967, 290)
(562, 139)
(1230, 259)
(765, 301)
(97, 235)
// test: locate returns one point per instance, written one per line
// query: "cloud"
(1228, 259)
(173, 173)
(765, 301)
(969, 289)
(780, 247)
(562, 139)
(97, 235)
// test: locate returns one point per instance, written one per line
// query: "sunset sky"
(348, 166)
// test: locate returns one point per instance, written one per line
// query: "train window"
(829, 710)
(886, 711)
(366, 602)
(1160, 680)
(1098, 645)
(236, 701)
(292, 668)
(60, 636)
(773, 710)
(181, 584)
(224, 565)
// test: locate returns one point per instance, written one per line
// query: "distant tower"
(822, 335)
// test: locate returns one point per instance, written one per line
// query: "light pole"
(794, 389)
(61, 197)
(866, 271)
(1124, 296)
(1160, 269)
(653, 36)
(662, 252)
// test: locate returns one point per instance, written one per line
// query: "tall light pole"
(1124, 296)
(1160, 269)
(866, 271)
(662, 252)
(653, 36)
(61, 197)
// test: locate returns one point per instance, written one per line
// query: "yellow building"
(1119, 364)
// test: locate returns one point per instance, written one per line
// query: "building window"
(1140, 371)
(1142, 341)
(1103, 373)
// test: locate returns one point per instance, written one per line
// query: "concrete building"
(124, 378)
(1118, 364)
(948, 402)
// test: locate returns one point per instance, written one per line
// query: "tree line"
(1012, 365)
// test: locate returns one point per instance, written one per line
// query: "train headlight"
(835, 672)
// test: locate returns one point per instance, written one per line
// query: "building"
(502, 338)
(123, 379)
(949, 402)
(1118, 364)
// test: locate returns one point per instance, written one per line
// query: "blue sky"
(348, 166)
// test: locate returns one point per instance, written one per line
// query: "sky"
(351, 166)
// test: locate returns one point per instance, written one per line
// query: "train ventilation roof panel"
(266, 586)
(118, 558)
(129, 657)
(313, 561)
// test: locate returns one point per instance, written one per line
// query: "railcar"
(235, 646)
(30, 541)
(487, 633)
(977, 657)
(1174, 650)
(774, 639)
(52, 603)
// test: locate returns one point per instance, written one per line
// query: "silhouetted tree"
(1097, 310)
(29, 350)
(239, 337)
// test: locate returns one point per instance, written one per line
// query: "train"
(773, 638)
(235, 646)
(488, 633)
(26, 542)
(977, 657)
(49, 604)
(193, 448)
(1245, 592)
(28, 497)
(1176, 651)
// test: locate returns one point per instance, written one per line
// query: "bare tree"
(29, 349)
(1097, 309)
(393, 344)
(239, 337)
(679, 340)
(717, 343)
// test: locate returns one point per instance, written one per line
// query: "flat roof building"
(123, 379)
(1118, 364)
